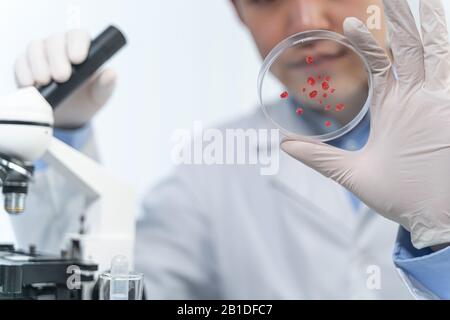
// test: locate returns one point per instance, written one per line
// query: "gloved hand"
(51, 59)
(403, 172)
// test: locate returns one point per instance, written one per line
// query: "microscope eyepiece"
(104, 47)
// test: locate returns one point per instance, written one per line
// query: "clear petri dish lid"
(315, 85)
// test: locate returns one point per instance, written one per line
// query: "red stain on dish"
(327, 124)
(311, 81)
(284, 95)
(340, 107)
(325, 85)
(325, 95)
(309, 60)
(300, 111)
(313, 94)
(328, 107)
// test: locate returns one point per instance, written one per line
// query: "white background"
(187, 60)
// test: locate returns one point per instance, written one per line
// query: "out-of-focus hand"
(403, 172)
(52, 59)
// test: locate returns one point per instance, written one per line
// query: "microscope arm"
(111, 216)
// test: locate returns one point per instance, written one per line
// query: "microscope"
(26, 128)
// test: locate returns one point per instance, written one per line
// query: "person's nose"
(304, 15)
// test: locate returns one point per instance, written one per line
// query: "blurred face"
(271, 21)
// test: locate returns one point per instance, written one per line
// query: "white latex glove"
(51, 59)
(403, 173)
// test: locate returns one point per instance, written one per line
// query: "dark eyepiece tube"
(102, 49)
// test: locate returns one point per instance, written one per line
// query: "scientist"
(227, 232)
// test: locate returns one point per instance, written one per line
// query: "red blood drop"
(328, 107)
(313, 94)
(311, 81)
(327, 124)
(309, 60)
(325, 85)
(300, 111)
(325, 95)
(340, 107)
(284, 95)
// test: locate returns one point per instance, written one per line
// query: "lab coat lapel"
(334, 209)
(330, 199)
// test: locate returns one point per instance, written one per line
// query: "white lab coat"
(229, 232)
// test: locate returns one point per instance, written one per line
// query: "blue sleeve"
(430, 269)
(75, 138)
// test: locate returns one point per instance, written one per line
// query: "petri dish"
(315, 85)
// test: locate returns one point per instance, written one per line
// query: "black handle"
(102, 49)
